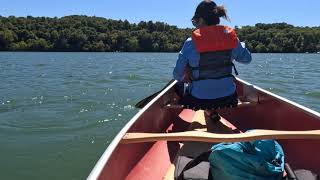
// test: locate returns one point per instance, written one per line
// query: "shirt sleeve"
(178, 72)
(241, 54)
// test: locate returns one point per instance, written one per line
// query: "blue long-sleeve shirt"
(209, 88)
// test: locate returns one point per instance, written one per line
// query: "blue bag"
(258, 160)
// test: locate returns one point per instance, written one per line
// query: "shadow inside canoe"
(193, 149)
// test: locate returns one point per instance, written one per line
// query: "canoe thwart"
(199, 136)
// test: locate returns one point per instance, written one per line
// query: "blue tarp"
(258, 160)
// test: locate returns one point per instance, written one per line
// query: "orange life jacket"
(214, 38)
(215, 44)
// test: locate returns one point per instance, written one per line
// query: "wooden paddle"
(146, 100)
(199, 136)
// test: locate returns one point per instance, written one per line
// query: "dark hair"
(210, 12)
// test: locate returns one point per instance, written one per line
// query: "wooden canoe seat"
(193, 149)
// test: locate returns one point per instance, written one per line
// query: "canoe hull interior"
(265, 111)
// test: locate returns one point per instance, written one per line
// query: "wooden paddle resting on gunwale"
(199, 136)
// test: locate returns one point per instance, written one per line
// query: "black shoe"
(215, 117)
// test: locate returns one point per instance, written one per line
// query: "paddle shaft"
(199, 136)
(146, 100)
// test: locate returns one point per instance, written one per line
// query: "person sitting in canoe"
(208, 56)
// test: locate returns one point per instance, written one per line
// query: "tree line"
(280, 38)
(83, 33)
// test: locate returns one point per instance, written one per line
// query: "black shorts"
(194, 103)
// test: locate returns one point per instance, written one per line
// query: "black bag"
(193, 169)
(300, 174)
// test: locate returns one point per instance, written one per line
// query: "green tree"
(6, 38)
(99, 47)
(38, 44)
(132, 44)
(260, 48)
(19, 46)
(145, 42)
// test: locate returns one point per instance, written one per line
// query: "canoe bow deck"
(153, 160)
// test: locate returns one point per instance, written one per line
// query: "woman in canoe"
(208, 57)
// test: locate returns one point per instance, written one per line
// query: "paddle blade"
(141, 104)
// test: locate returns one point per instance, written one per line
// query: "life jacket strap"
(235, 69)
(212, 66)
(216, 78)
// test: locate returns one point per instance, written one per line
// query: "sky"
(173, 12)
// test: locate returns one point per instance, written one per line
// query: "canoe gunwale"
(277, 97)
(95, 173)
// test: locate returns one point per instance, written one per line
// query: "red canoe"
(261, 110)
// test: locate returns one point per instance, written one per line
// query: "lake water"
(59, 111)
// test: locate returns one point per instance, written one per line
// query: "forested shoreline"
(96, 34)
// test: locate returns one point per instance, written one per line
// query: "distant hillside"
(281, 38)
(83, 33)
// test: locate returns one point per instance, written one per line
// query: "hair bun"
(221, 11)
